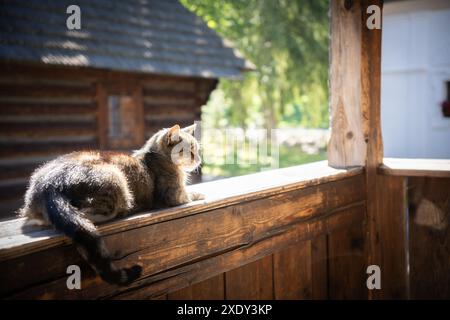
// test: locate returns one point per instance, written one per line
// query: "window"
(121, 119)
(122, 126)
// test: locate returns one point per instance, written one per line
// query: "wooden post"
(355, 76)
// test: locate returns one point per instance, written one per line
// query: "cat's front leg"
(176, 197)
(194, 196)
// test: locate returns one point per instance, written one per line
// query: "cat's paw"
(196, 196)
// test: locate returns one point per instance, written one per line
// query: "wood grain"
(219, 194)
(174, 279)
(347, 146)
(251, 282)
(319, 265)
(429, 203)
(391, 238)
(355, 81)
(210, 289)
(292, 272)
(347, 277)
(42, 103)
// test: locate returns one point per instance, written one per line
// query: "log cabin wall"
(41, 116)
(169, 101)
(49, 111)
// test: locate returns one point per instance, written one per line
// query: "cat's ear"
(173, 134)
(190, 129)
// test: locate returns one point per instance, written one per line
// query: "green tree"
(287, 41)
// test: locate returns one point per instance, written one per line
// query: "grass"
(289, 156)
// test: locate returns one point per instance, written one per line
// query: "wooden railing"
(311, 214)
(427, 224)
(295, 233)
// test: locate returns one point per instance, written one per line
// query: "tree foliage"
(287, 41)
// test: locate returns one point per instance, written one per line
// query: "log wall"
(49, 111)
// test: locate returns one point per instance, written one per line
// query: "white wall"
(415, 67)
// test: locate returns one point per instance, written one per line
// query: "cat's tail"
(82, 231)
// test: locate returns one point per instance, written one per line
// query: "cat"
(78, 190)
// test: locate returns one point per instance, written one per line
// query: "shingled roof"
(152, 36)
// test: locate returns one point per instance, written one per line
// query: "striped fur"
(78, 190)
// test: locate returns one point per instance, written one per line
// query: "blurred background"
(287, 42)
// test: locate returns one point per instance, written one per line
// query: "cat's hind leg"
(111, 196)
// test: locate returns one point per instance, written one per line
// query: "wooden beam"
(438, 168)
(347, 146)
(386, 198)
(293, 272)
(355, 81)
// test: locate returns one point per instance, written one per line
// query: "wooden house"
(132, 68)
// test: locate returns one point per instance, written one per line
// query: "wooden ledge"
(439, 168)
(242, 219)
(221, 193)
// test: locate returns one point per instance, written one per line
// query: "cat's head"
(179, 145)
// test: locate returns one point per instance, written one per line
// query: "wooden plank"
(319, 260)
(82, 73)
(347, 277)
(391, 238)
(45, 129)
(230, 260)
(165, 123)
(139, 114)
(44, 147)
(39, 90)
(347, 145)
(167, 101)
(439, 168)
(171, 109)
(21, 171)
(102, 116)
(429, 254)
(41, 108)
(12, 189)
(8, 208)
(173, 84)
(253, 281)
(292, 272)
(219, 194)
(195, 246)
(209, 289)
(20, 167)
(161, 297)
(166, 93)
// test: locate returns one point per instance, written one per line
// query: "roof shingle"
(154, 36)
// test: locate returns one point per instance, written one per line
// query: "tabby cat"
(77, 190)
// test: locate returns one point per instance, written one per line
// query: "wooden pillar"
(355, 76)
